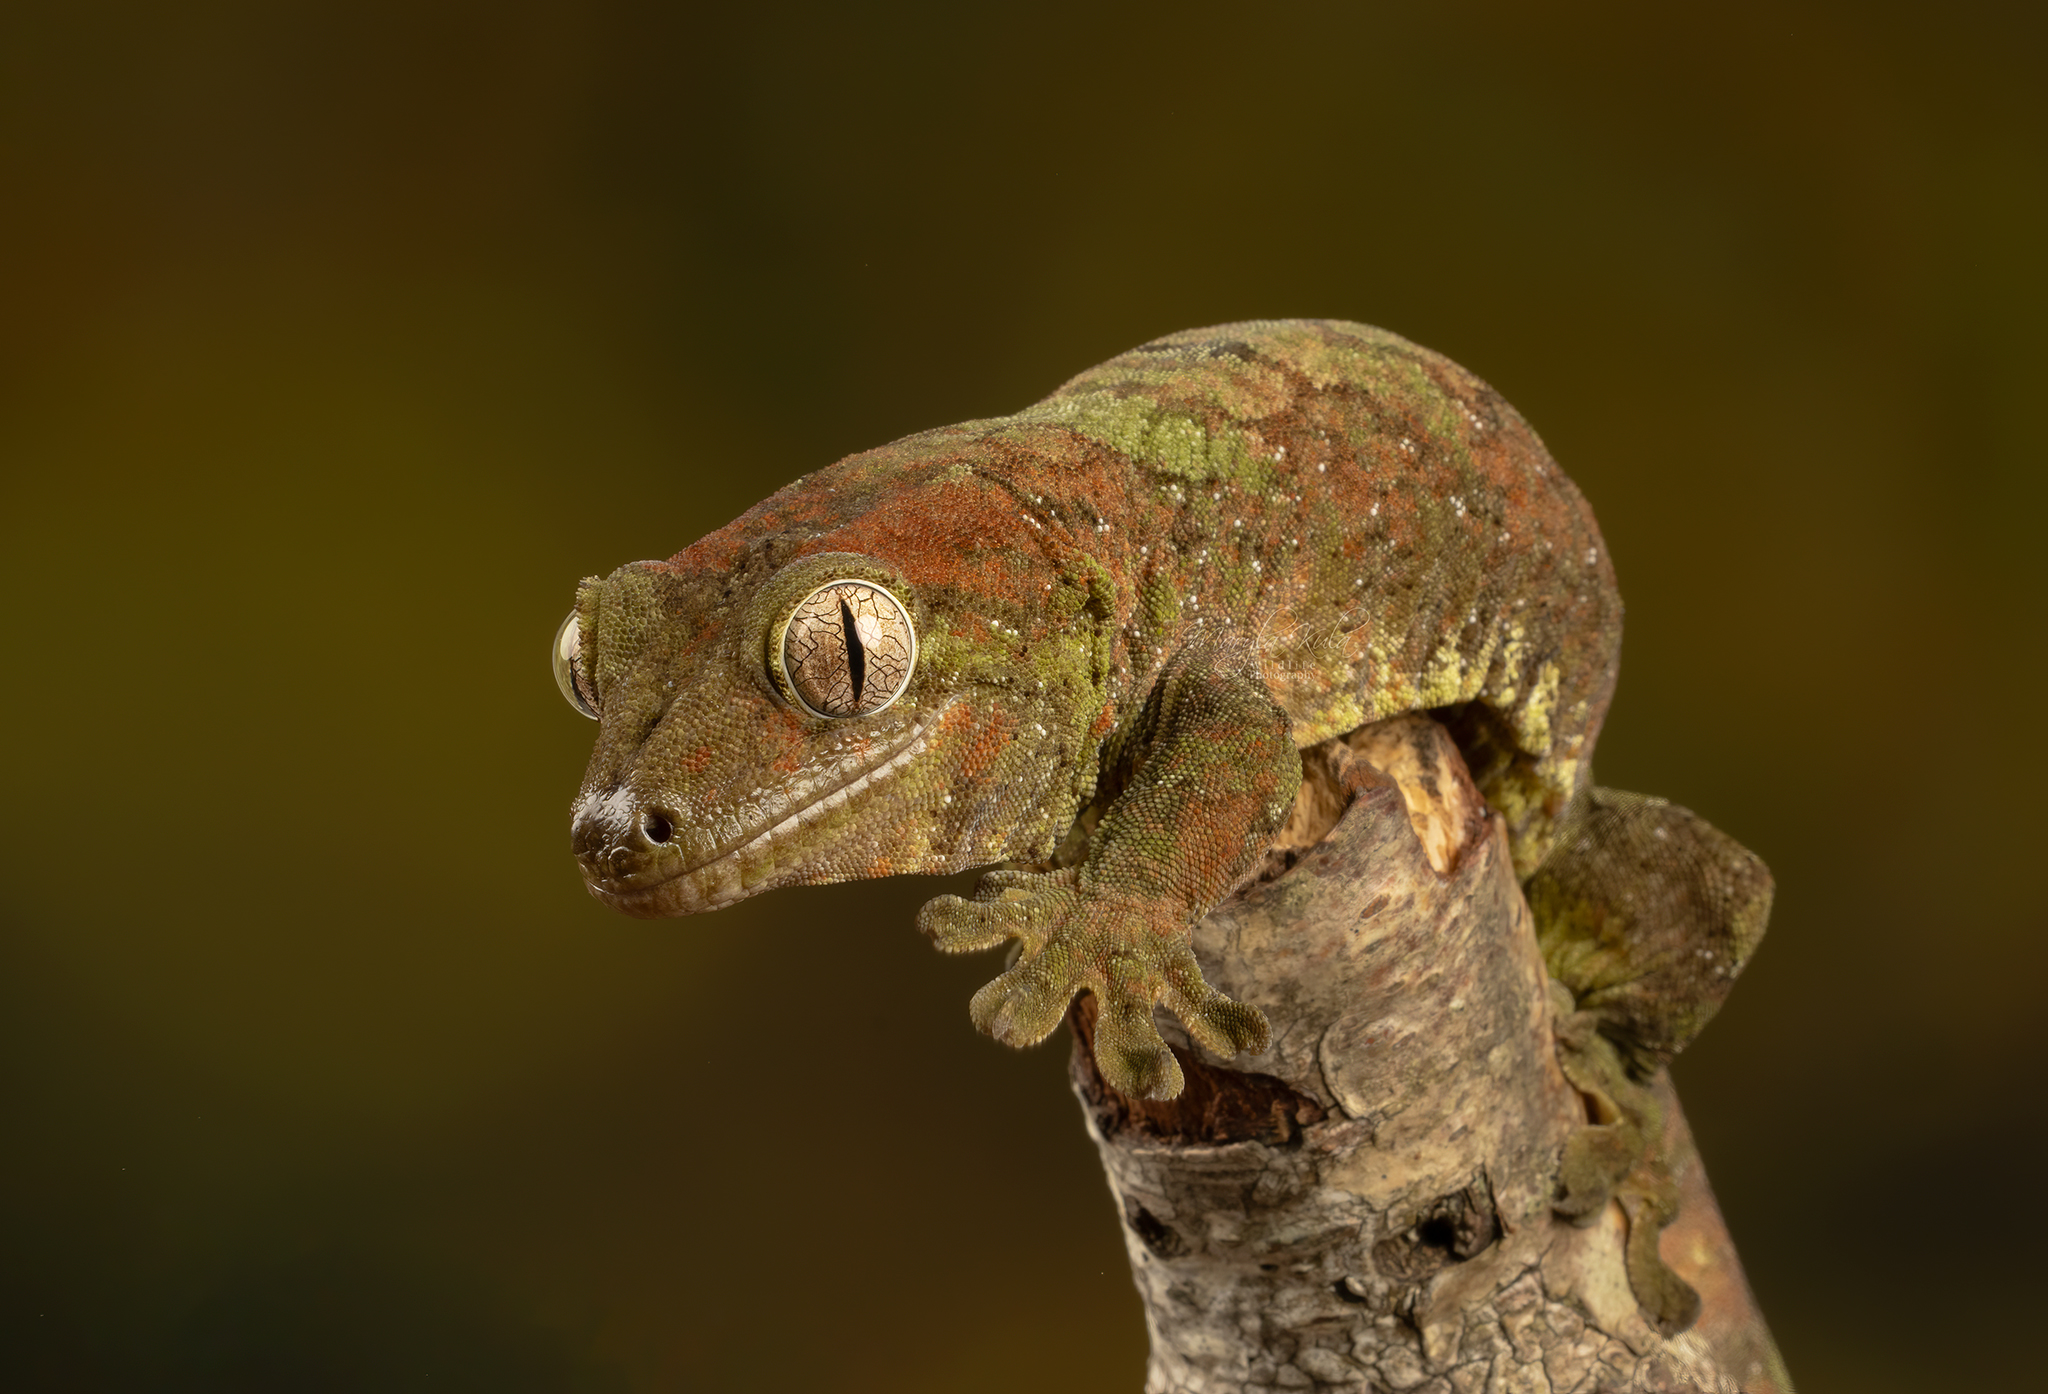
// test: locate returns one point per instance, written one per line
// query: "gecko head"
(759, 724)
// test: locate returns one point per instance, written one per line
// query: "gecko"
(1087, 643)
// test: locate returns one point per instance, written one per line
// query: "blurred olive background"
(339, 339)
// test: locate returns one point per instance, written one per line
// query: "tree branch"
(1368, 1206)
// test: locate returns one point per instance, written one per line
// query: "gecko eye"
(849, 649)
(569, 674)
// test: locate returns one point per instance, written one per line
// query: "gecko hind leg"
(1645, 913)
(1620, 1156)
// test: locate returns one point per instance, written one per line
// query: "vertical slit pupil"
(856, 657)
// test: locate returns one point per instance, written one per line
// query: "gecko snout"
(621, 848)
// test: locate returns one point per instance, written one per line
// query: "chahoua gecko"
(1092, 637)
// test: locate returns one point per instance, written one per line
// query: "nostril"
(656, 825)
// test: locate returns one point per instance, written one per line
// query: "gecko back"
(1394, 530)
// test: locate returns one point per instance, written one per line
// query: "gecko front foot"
(1132, 956)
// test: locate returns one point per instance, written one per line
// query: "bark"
(1367, 1206)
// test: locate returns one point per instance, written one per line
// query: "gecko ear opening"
(848, 649)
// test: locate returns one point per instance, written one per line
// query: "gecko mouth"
(756, 860)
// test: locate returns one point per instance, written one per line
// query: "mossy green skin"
(1153, 586)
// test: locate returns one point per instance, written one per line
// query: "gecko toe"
(1130, 1054)
(1022, 1007)
(1020, 905)
(1222, 1024)
(958, 926)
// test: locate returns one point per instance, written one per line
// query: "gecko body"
(1091, 638)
